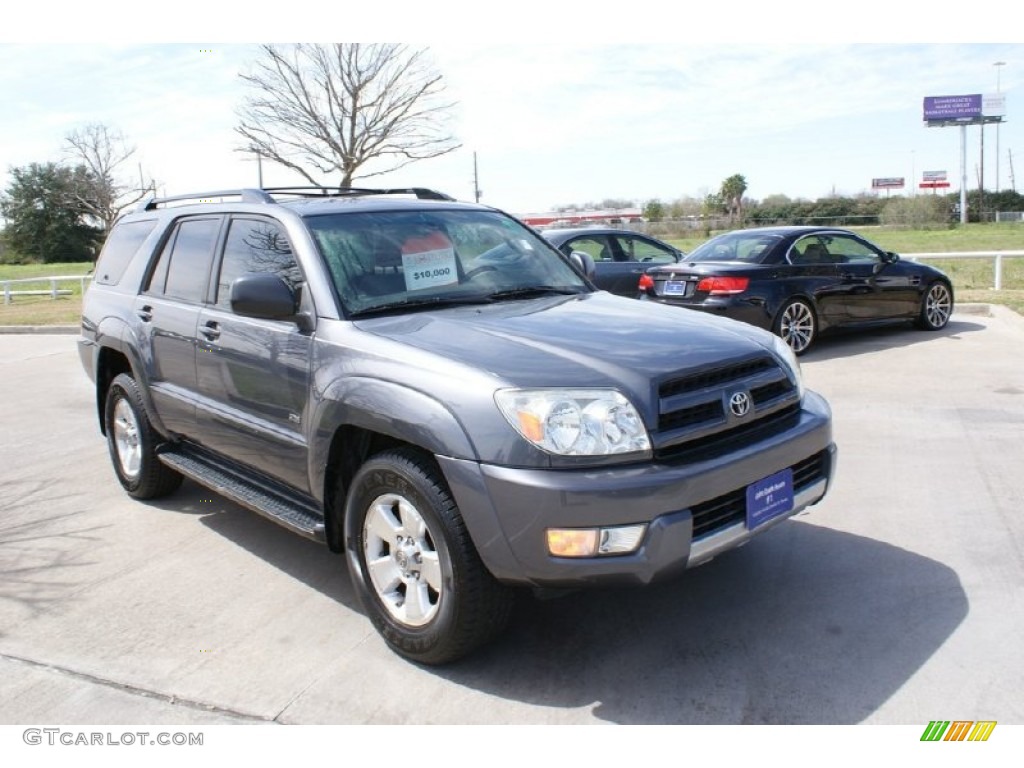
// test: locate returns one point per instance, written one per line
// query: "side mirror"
(891, 258)
(584, 262)
(263, 295)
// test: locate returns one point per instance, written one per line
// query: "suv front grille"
(715, 378)
(694, 418)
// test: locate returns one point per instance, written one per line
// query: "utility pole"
(981, 177)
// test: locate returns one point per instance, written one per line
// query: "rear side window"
(184, 263)
(124, 242)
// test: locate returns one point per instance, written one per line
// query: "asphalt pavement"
(897, 600)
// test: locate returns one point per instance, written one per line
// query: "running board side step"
(281, 507)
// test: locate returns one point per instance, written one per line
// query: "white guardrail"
(997, 277)
(53, 291)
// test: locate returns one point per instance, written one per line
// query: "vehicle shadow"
(309, 562)
(853, 341)
(806, 626)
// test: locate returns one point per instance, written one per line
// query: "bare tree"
(104, 152)
(325, 109)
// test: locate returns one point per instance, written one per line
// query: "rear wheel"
(413, 563)
(133, 441)
(936, 307)
(797, 325)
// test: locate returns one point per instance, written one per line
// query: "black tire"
(936, 307)
(133, 441)
(797, 325)
(427, 592)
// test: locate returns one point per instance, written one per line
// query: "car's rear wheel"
(413, 563)
(936, 307)
(797, 325)
(133, 441)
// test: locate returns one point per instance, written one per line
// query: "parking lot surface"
(897, 600)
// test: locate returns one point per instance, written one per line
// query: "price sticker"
(429, 269)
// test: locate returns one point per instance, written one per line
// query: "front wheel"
(797, 325)
(413, 563)
(936, 307)
(133, 441)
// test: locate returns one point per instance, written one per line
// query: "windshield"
(401, 259)
(749, 247)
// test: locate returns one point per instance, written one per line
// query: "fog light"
(572, 542)
(591, 542)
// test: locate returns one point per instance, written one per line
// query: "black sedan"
(801, 281)
(620, 256)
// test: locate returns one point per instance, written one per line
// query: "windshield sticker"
(428, 269)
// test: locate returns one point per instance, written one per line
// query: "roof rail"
(247, 196)
(265, 194)
(421, 192)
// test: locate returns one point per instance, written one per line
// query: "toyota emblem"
(739, 404)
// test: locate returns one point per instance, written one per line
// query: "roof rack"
(265, 194)
(421, 192)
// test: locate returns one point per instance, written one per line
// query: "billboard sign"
(933, 175)
(952, 107)
(993, 105)
(890, 183)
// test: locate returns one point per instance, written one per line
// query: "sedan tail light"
(646, 283)
(723, 286)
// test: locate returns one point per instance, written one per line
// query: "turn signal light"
(723, 286)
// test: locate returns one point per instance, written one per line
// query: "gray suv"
(430, 388)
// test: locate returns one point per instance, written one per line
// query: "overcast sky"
(795, 103)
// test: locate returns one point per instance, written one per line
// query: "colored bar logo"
(958, 730)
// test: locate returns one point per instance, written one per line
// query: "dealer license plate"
(769, 498)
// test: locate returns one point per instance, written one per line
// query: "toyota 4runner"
(431, 389)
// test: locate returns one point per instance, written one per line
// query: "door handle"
(211, 331)
(146, 313)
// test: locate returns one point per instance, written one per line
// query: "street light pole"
(998, 65)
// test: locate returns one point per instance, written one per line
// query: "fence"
(997, 277)
(53, 291)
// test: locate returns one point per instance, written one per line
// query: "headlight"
(575, 422)
(789, 361)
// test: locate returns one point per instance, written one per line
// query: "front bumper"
(508, 510)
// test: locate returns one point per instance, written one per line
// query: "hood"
(589, 340)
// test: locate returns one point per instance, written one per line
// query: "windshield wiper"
(434, 301)
(533, 290)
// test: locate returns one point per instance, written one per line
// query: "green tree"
(918, 212)
(712, 205)
(731, 194)
(654, 210)
(44, 215)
